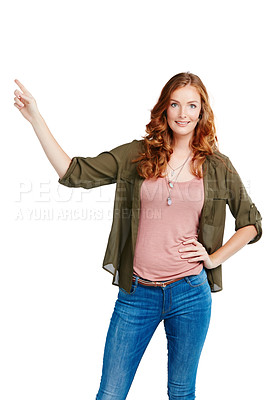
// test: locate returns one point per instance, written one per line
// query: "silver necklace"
(173, 170)
(170, 182)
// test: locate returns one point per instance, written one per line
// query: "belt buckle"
(160, 284)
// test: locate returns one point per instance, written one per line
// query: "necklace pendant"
(171, 184)
(169, 201)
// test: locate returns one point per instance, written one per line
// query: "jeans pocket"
(197, 280)
(132, 289)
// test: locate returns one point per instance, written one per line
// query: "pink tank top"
(163, 228)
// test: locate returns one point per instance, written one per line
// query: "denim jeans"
(185, 308)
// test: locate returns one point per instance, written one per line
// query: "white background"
(96, 69)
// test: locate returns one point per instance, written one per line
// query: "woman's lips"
(179, 123)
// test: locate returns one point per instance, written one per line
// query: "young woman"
(165, 247)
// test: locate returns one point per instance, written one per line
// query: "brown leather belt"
(151, 283)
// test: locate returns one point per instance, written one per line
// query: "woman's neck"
(181, 146)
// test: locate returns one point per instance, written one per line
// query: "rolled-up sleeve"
(90, 172)
(241, 206)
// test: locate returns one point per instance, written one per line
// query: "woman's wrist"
(210, 262)
(36, 119)
(214, 261)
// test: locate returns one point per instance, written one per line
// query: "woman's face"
(183, 110)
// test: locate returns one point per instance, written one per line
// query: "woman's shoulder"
(219, 154)
(222, 162)
(218, 159)
(126, 152)
(121, 151)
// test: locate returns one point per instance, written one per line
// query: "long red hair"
(158, 141)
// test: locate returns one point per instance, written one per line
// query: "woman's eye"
(173, 105)
(193, 106)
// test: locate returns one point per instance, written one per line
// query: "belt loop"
(136, 280)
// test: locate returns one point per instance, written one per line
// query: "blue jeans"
(185, 308)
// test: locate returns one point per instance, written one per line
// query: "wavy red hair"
(159, 138)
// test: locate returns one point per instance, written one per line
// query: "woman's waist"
(161, 272)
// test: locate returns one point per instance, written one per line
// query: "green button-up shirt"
(221, 187)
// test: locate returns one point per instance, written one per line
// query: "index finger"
(190, 241)
(21, 86)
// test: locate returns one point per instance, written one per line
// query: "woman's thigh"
(132, 325)
(186, 327)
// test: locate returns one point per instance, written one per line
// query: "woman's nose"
(181, 113)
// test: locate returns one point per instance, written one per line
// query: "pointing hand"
(25, 102)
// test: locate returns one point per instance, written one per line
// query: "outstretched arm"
(26, 104)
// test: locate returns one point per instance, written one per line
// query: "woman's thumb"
(25, 98)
